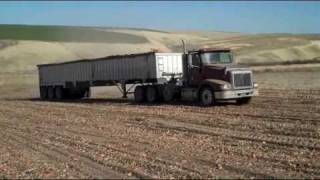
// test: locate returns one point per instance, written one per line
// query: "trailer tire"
(207, 96)
(59, 94)
(87, 93)
(51, 94)
(139, 94)
(152, 94)
(67, 93)
(43, 92)
(79, 94)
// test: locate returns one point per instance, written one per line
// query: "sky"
(230, 16)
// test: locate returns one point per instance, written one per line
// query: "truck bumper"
(236, 94)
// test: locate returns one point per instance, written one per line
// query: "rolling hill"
(66, 34)
(22, 47)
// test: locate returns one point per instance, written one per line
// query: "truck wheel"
(58, 92)
(152, 94)
(67, 93)
(139, 94)
(87, 93)
(244, 100)
(167, 93)
(43, 92)
(80, 94)
(51, 93)
(83, 93)
(207, 96)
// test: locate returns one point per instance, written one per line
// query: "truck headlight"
(255, 85)
(225, 86)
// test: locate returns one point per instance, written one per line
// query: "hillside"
(23, 47)
(66, 34)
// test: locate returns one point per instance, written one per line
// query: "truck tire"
(207, 96)
(51, 93)
(59, 94)
(83, 93)
(43, 92)
(139, 94)
(67, 93)
(87, 93)
(243, 101)
(152, 94)
(79, 94)
(167, 93)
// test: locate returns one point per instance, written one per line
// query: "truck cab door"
(195, 76)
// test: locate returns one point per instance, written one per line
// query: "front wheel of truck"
(207, 96)
(243, 101)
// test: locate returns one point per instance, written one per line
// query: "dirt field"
(275, 136)
(289, 80)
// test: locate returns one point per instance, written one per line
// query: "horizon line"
(155, 29)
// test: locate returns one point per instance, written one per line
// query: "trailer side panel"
(146, 67)
(140, 67)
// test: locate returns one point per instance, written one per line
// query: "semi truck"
(206, 75)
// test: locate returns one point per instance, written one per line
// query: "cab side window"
(195, 60)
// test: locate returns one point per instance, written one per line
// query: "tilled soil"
(277, 135)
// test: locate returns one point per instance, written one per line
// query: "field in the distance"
(276, 136)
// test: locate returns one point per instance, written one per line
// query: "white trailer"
(74, 78)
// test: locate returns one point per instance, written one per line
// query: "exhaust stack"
(184, 47)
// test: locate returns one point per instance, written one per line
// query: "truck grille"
(242, 80)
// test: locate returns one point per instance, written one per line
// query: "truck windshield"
(216, 57)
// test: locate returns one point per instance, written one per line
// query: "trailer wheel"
(67, 94)
(51, 93)
(59, 92)
(43, 92)
(139, 94)
(79, 94)
(87, 93)
(152, 94)
(207, 96)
